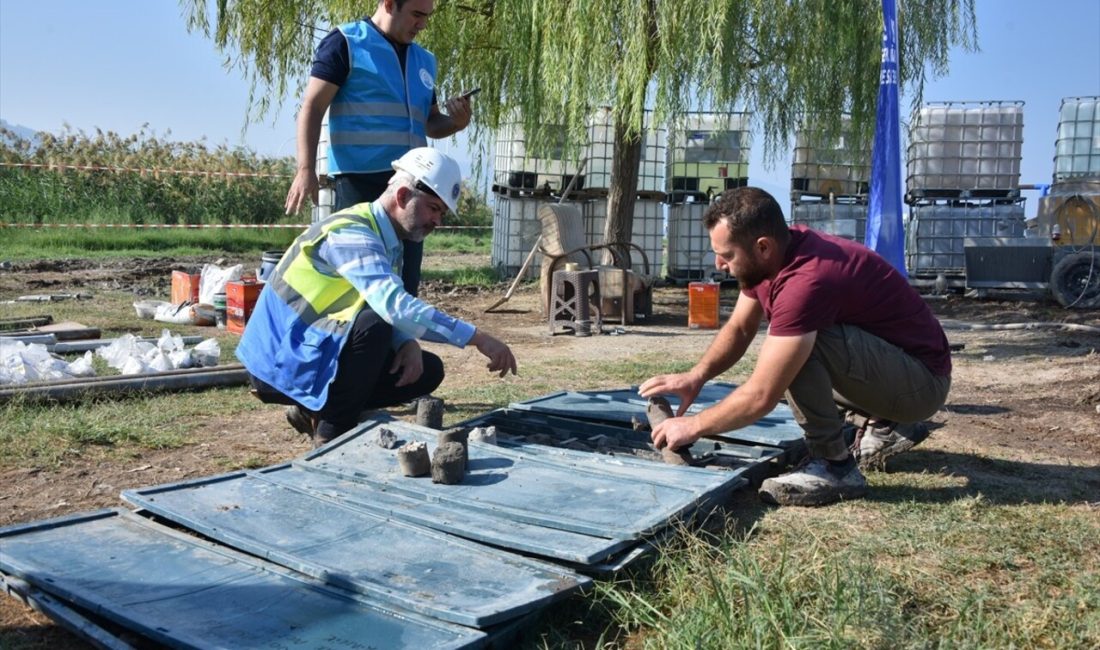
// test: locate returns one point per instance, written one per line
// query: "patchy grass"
(44, 434)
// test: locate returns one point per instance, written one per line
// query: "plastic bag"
(213, 278)
(124, 347)
(206, 353)
(83, 366)
(176, 314)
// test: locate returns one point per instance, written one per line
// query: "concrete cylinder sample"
(413, 459)
(461, 436)
(657, 411)
(429, 412)
(487, 435)
(448, 463)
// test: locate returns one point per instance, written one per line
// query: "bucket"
(703, 305)
(219, 309)
(268, 262)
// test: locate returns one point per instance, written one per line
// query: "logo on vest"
(426, 78)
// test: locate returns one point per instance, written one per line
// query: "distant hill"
(22, 132)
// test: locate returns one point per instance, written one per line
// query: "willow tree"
(555, 61)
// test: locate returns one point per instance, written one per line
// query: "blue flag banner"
(884, 230)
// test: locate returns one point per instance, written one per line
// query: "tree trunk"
(626, 159)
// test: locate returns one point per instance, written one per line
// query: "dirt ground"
(1024, 394)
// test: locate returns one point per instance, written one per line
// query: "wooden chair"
(624, 293)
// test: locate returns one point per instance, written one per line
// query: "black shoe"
(300, 419)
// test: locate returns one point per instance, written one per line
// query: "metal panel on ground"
(523, 428)
(520, 486)
(186, 593)
(489, 528)
(777, 429)
(412, 567)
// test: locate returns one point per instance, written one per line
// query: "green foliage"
(554, 61)
(140, 179)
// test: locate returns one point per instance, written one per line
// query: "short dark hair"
(749, 213)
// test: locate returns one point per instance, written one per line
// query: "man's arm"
(318, 97)
(725, 350)
(781, 358)
(457, 117)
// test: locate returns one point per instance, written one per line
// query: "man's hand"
(675, 433)
(500, 356)
(458, 108)
(305, 185)
(409, 361)
(684, 385)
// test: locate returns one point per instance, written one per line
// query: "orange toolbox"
(240, 300)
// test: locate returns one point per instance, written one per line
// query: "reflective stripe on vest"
(321, 301)
(378, 115)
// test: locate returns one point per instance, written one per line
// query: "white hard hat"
(438, 172)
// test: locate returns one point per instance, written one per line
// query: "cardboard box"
(240, 300)
(185, 287)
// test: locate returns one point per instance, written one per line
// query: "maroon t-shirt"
(827, 281)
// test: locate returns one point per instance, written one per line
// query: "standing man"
(844, 328)
(379, 89)
(334, 331)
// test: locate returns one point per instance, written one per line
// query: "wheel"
(1075, 281)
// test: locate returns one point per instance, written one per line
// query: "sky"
(121, 64)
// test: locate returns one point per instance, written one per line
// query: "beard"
(752, 276)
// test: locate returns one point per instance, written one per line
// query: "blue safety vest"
(377, 115)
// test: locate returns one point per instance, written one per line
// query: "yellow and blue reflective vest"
(338, 267)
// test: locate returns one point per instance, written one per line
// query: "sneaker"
(816, 483)
(300, 420)
(881, 440)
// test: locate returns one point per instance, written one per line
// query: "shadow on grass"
(1005, 482)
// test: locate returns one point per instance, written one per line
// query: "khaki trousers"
(862, 372)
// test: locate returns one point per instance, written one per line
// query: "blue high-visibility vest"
(378, 115)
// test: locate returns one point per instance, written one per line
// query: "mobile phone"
(471, 93)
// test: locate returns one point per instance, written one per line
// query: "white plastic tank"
(1077, 150)
(690, 256)
(936, 232)
(963, 147)
(847, 220)
(516, 227)
(648, 232)
(708, 153)
(600, 149)
(826, 167)
(518, 168)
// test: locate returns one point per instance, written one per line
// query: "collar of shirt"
(394, 247)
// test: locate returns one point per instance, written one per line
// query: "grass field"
(24, 244)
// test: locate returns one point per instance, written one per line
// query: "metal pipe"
(41, 339)
(172, 380)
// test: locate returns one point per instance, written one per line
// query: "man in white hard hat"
(380, 87)
(334, 332)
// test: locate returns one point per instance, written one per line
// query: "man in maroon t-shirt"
(844, 328)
